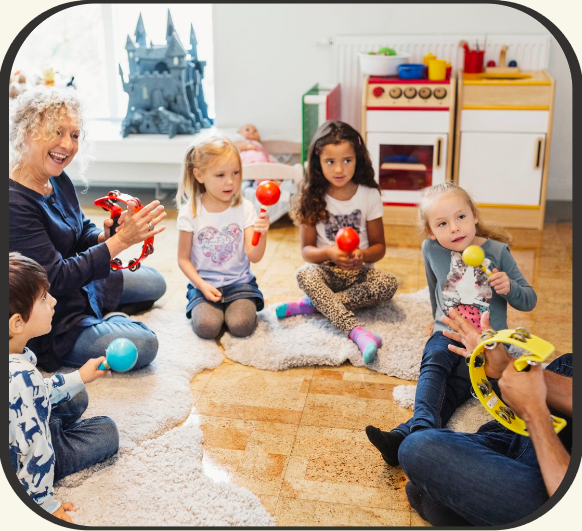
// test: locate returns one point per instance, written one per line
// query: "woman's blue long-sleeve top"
(54, 231)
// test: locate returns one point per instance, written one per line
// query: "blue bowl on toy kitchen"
(411, 71)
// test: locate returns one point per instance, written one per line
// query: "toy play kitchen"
(407, 123)
(502, 141)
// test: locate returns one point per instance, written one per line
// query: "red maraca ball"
(268, 193)
(347, 240)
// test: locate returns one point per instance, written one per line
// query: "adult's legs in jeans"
(80, 443)
(240, 317)
(207, 319)
(93, 341)
(141, 289)
(488, 478)
(494, 465)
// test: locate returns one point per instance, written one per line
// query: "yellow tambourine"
(538, 349)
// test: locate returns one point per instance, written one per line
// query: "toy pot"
(268, 194)
(437, 70)
(411, 71)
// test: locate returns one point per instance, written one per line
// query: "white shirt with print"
(365, 205)
(218, 243)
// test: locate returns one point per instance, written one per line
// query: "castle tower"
(140, 33)
(169, 28)
(130, 48)
(193, 44)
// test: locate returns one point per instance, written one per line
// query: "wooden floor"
(296, 438)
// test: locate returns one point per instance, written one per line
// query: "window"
(88, 42)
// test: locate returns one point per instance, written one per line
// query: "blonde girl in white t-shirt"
(216, 226)
(339, 191)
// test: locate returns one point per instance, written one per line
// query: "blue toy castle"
(164, 85)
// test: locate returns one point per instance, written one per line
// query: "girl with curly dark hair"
(339, 191)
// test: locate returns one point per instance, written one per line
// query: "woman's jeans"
(491, 477)
(145, 284)
(443, 385)
(80, 443)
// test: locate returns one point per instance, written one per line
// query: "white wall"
(265, 58)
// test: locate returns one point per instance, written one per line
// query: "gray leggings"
(240, 317)
(336, 292)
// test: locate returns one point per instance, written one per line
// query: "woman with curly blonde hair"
(46, 223)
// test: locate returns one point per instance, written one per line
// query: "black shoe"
(432, 511)
(387, 442)
(135, 307)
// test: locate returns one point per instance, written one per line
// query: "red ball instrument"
(347, 240)
(268, 194)
(109, 203)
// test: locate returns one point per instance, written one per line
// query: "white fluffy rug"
(162, 465)
(303, 340)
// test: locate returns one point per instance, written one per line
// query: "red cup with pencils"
(473, 63)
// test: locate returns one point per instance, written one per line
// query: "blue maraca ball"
(121, 354)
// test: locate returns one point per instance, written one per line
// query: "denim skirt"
(230, 293)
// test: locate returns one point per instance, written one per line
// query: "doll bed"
(285, 152)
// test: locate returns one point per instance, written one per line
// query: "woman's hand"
(262, 223)
(499, 281)
(90, 371)
(464, 332)
(211, 293)
(137, 226)
(107, 224)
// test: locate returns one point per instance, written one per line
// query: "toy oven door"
(405, 163)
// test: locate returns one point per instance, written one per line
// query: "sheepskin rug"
(158, 478)
(303, 340)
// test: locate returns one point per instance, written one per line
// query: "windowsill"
(107, 144)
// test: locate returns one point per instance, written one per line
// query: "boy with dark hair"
(46, 441)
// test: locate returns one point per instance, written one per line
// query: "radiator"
(530, 51)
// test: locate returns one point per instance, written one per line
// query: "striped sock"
(300, 307)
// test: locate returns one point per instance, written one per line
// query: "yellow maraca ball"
(473, 256)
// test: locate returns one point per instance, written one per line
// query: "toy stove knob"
(410, 92)
(378, 91)
(395, 92)
(440, 93)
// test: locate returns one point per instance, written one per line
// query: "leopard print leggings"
(336, 292)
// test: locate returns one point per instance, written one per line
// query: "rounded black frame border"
(576, 74)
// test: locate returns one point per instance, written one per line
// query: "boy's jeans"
(78, 444)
